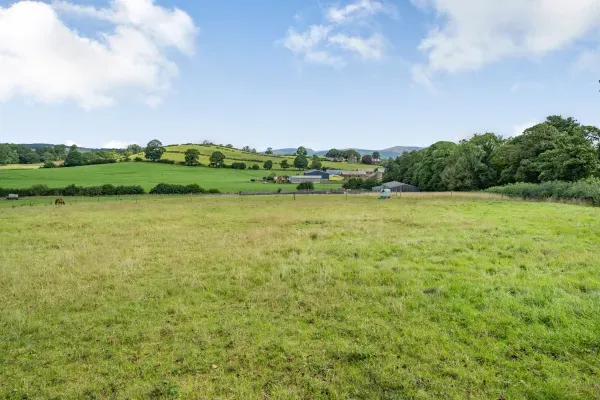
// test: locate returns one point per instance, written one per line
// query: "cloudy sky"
(360, 73)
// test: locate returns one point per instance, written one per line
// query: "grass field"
(19, 166)
(321, 297)
(145, 174)
(176, 153)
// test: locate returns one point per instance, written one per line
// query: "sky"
(270, 73)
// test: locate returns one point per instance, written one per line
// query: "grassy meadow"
(319, 297)
(176, 153)
(147, 175)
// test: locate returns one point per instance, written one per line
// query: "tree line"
(559, 149)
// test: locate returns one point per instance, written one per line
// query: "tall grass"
(587, 190)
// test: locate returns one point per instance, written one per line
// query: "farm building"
(334, 171)
(316, 172)
(354, 174)
(395, 187)
(305, 178)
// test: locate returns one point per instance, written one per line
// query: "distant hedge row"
(165, 188)
(105, 190)
(586, 190)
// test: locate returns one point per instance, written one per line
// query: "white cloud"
(473, 34)
(360, 9)
(332, 42)
(116, 144)
(71, 143)
(43, 59)
(368, 49)
(519, 129)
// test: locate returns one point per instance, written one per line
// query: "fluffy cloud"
(332, 42)
(44, 59)
(472, 34)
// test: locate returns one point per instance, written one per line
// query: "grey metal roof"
(334, 171)
(394, 184)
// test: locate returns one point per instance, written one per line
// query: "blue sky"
(359, 73)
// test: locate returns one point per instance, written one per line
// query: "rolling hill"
(391, 152)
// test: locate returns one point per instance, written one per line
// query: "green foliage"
(154, 150)
(8, 155)
(376, 155)
(302, 151)
(138, 159)
(269, 151)
(74, 158)
(558, 149)
(268, 165)
(49, 164)
(192, 157)
(367, 159)
(165, 188)
(255, 167)
(74, 190)
(306, 186)
(238, 165)
(585, 190)
(316, 162)
(134, 149)
(301, 162)
(217, 160)
(271, 176)
(360, 184)
(284, 164)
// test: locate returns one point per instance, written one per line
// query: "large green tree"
(74, 158)
(154, 150)
(301, 162)
(192, 157)
(316, 162)
(268, 165)
(217, 160)
(8, 155)
(302, 151)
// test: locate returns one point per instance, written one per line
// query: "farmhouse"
(395, 187)
(305, 178)
(316, 172)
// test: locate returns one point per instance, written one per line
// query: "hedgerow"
(585, 190)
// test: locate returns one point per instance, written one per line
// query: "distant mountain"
(34, 146)
(392, 152)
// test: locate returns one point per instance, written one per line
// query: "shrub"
(238, 165)
(165, 188)
(138, 159)
(73, 190)
(214, 191)
(49, 164)
(585, 190)
(306, 186)
(165, 161)
(255, 167)
(41, 190)
(271, 177)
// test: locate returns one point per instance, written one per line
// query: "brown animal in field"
(59, 202)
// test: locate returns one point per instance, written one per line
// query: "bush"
(138, 159)
(306, 186)
(165, 161)
(255, 167)
(584, 190)
(238, 165)
(213, 191)
(73, 190)
(165, 188)
(49, 164)
(271, 177)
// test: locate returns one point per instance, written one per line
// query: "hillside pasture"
(147, 175)
(320, 297)
(177, 153)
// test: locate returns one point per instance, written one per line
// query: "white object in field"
(386, 193)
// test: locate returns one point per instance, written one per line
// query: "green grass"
(19, 166)
(322, 297)
(145, 174)
(176, 153)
